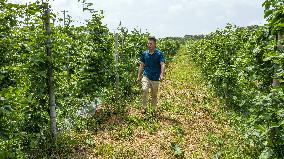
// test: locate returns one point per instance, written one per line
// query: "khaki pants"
(154, 86)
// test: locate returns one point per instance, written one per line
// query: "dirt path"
(190, 123)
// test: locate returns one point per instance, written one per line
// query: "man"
(152, 64)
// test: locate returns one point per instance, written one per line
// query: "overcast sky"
(164, 18)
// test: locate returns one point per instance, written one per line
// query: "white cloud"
(170, 17)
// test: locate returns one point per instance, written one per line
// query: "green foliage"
(97, 66)
(169, 46)
(18, 104)
(235, 63)
(274, 13)
(131, 44)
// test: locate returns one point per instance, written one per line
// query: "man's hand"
(162, 71)
(161, 78)
(140, 70)
(138, 79)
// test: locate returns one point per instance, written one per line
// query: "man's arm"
(163, 65)
(140, 70)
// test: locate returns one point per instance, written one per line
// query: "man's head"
(151, 43)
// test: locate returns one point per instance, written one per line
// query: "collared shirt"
(152, 64)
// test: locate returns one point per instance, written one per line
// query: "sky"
(164, 18)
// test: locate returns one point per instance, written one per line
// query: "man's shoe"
(143, 111)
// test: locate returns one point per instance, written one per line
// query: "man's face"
(151, 45)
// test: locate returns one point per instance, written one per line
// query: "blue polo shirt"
(152, 64)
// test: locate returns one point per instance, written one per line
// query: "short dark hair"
(152, 38)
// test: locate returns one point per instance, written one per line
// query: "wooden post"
(279, 47)
(68, 52)
(116, 67)
(28, 17)
(64, 16)
(51, 100)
